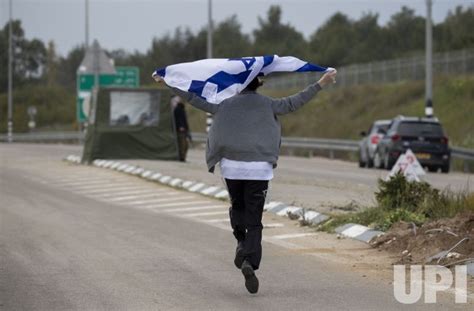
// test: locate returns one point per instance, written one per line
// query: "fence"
(331, 145)
(403, 69)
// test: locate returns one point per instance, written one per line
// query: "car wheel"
(378, 160)
(370, 163)
(445, 168)
(361, 160)
(387, 163)
(432, 169)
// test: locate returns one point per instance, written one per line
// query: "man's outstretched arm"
(292, 103)
(192, 98)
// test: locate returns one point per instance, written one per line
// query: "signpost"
(124, 77)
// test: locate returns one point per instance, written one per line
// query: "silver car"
(368, 144)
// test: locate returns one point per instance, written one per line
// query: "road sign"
(409, 166)
(124, 77)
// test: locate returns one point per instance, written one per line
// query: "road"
(82, 238)
(318, 183)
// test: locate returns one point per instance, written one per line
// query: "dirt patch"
(430, 242)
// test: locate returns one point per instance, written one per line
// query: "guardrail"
(330, 145)
(45, 137)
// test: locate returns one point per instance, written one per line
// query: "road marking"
(176, 204)
(218, 220)
(108, 194)
(291, 236)
(88, 182)
(196, 208)
(206, 214)
(144, 202)
(116, 191)
(103, 185)
(157, 200)
(157, 194)
(273, 225)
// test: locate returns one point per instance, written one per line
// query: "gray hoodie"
(245, 127)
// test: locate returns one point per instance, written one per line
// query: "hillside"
(344, 112)
(334, 113)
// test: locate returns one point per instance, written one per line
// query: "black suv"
(424, 136)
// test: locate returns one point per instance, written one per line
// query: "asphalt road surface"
(81, 238)
(318, 183)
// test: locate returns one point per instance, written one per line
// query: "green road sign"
(125, 77)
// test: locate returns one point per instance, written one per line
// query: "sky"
(132, 24)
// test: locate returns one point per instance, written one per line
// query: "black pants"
(248, 199)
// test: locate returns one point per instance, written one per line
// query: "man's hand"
(328, 78)
(157, 78)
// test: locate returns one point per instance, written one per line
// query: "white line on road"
(196, 208)
(206, 214)
(175, 204)
(291, 236)
(148, 202)
(85, 182)
(273, 225)
(157, 194)
(124, 191)
(218, 220)
(112, 191)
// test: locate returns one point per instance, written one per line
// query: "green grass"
(399, 200)
(344, 112)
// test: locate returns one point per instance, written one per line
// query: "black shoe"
(239, 257)
(251, 281)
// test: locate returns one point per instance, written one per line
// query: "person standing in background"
(182, 127)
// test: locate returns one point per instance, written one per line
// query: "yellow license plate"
(424, 156)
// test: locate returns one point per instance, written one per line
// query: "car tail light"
(396, 137)
(374, 139)
(444, 140)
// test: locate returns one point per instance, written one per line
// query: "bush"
(401, 200)
(397, 192)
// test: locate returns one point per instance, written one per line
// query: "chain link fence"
(396, 70)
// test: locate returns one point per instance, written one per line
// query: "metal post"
(87, 24)
(95, 91)
(209, 52)
(429, 62)
(209, 29)
(10, 78)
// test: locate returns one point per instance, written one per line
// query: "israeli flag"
(219, 78)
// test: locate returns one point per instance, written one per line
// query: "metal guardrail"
(45, 137)
(330, 145)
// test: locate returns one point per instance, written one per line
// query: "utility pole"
(87, 24)
(429, 62)
(209, 29)
(209, 51)
(10, 78)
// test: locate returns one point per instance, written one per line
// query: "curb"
(353, 231)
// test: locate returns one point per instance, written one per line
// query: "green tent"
(126, 123)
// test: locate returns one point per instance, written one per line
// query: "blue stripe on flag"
(161, 72)
(267, 60)
(311, 67)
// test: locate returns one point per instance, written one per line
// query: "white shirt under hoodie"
(256, 170)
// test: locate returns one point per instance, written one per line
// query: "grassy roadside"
(344, 112)
(411, 202)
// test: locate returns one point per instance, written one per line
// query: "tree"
(51, 64)
(405, 33)
(273, 37)
(29, 56)
(67, 67)
(332, 43)
(456, 32)
(369, 43)
(229, 41)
